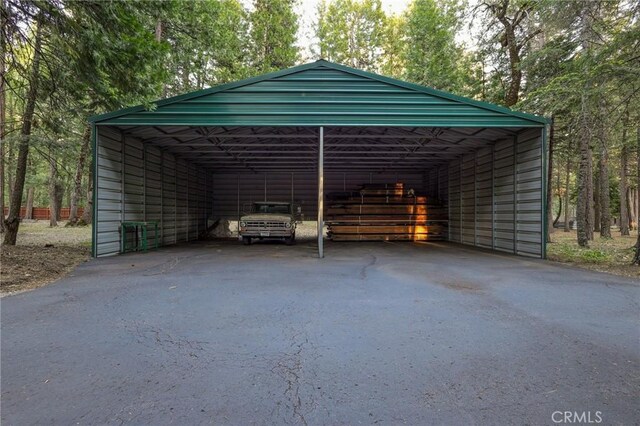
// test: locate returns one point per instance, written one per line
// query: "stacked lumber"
(384, 212)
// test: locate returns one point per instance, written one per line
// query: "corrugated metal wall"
(231, 191)
(529, 200)
(156, 187)
(485, 209)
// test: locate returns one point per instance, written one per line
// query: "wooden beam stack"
(384, 212)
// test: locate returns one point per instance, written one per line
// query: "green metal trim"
(321, 64)
(315, 123)
(545, 168)
(94, 195)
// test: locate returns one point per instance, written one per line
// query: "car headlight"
(243, 224)
(287, 225)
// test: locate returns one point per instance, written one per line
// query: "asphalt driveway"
(381, 333)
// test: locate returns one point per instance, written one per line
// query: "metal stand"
(140, 230)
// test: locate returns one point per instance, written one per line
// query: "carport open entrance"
(302, 133)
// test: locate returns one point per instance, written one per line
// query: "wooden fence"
(43, 213)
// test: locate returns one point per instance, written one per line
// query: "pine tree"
(274, 25)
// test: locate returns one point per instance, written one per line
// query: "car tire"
(246, 241)
(290, 240)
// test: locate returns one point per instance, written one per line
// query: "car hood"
(267, 217)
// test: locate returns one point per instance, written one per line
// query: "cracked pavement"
(376, 333)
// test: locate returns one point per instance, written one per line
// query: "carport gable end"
(321, 93)
(142, 171)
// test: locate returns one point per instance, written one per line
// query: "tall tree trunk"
(53, 191)
(603, 175)
(567, 181)
(631, 208)
(583, 205)
(636, 258)
(622, 184)
(560, 208)
(9, 176)
(28, 213)
(624, 212)
(9, 158)
(59, 195)
(549, 212)
(585, 176)
(597, 208)
(2, 173)
(76, 194)
(605, 211)
(590, 203)
(87, 215)
(3, 111)
(632, 196)
(513, 92)
(635, 208)
(158, 34)
(558, 194)
(13, 220)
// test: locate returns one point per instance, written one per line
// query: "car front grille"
(266, 225)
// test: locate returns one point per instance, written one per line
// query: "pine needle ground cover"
(612, 255)
(42, 255)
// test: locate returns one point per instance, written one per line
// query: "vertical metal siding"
(197, 212)
(138, 183)
(495, 196)
(454, 200)
(484, 191)
(181, 200)
(431, 182)
(153, 187)
(443, 184)
(503, 170)
(232, 191)
(529, 193)
(108, 189)
(279, 186)
(467, 211)
(134, 180)
(168, 199)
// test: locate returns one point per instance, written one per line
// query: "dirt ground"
(42, 255)
(604, 255)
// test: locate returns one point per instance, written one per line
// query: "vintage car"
(268, 220)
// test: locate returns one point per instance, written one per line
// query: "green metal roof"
(320, 93)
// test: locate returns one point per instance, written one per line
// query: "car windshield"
(272, 208)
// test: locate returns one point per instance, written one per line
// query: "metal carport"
(317, 127)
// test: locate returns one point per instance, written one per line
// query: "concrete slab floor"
(376, 333)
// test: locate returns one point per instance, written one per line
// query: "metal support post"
(320, 193)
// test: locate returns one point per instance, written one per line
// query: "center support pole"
(321, 193)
